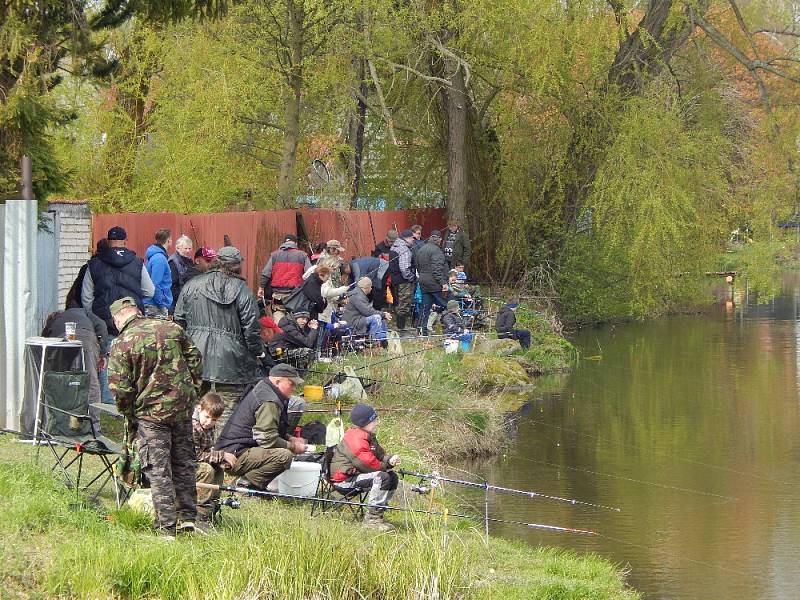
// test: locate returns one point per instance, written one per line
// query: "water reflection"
(690, 424)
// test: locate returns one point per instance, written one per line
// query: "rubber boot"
(374, 520)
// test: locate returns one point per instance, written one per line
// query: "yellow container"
(313, 393)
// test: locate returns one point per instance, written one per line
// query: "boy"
(359, 461)
(211, 463)
(451, 319)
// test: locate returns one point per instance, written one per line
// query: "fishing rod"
(232, 489)
(436, 477)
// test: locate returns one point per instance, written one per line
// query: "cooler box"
(300, 480)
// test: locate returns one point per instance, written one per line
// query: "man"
(299, 330)
(179, 263)
(376, 269)
(382, 249)
(221, 316)
(456, 244)
(361, 316)
(155, 374)
(257, 433)
(432, 269)
(283, 272)
(403, 272)
(332, 257)
(74, 293)
(505, 322)
(418, 241)
(203, 258)
(116, 272)
(158, 269)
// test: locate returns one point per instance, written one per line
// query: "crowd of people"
(192, 351)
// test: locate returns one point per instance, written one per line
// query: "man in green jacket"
(154, 373)
(257, 433)
(456, 245)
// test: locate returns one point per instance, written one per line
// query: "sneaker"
(377, 522)
(185, 527)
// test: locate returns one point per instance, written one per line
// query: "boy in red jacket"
(359, 461)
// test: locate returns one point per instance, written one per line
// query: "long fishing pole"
(496, 488)
(267, 494)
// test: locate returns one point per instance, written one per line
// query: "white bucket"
(450, 346)
(300, 480)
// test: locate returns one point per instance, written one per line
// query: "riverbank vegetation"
(613, 146)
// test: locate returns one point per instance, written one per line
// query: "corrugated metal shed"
(258, 233)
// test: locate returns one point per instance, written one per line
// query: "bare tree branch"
(777, 32)
(420, 74)
(762, 89)
(379, 90)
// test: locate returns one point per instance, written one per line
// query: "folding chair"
(330, 490)
(68, 427)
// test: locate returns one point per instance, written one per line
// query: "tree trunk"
(291, 136)
(355, 136)
(456, 102)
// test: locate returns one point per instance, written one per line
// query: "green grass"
(53, 548)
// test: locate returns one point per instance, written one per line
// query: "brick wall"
(74, 223)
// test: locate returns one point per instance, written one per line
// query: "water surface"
(691, 425)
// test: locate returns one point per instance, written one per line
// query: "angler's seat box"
(300, 480)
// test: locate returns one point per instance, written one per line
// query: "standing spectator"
(418, 241)
(504, 325)
(402, 270)
(155, 373)
(158, 268)
(116, 272)
(74, 293)
(456, 244)
(283, 272)
(311, 291)
(221, 316)
(203, 257)
(179, 263)
(361, 316)
(376, 269)
(382, 249)
(432, 269)
(332, 258)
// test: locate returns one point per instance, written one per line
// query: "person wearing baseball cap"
(221, 315)
(258, 431)
(360, 462)
(113, 273)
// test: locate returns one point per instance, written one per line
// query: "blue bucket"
(466, 341)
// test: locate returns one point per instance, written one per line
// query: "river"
(690, 425)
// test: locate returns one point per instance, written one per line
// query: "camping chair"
(69, 428)
(330, 490)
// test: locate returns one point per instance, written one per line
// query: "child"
(451, 319)
(504, 325)
(359, 461)
(210, 463)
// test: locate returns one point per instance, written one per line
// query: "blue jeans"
(377, 328)
(428, 300)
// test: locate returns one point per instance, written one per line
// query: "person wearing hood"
(504, 325)
(179, 264)
(402, 269)
(377, 269)
(116, 272)
(220, 314)
(452, 321)
(158, 268)
(284, 270)
(361, 316)
(432, 268)
(299, 331)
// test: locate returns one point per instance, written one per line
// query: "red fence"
(257, 234)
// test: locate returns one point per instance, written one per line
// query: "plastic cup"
(70, 329)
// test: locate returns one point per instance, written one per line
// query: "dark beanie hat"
(117, 233)
(407, 233)
(362, 415)
(435, 234)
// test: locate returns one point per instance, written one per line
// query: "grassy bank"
(50, 548)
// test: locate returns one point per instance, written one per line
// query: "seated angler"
(211, 464)
(299, 331)
(359, 461)
(452, 322)
(257, 433)
(504, 325)
(361, 316)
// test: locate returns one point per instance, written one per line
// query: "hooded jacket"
(294, 336)
(158, 268)
(432, 268)
(284, 269)
(506, 319)
(357, 310)
(221, 316)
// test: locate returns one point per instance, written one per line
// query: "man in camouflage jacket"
(155, 373)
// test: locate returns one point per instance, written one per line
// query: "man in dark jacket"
(179, 263)
(115, 273)
(402, 270)
(284, 270)
(452, 321)
(382, 249)
(377, 270)
(504, 325)
(457, 249)
(359, 314)
(257, 433)
(203, 257)
(299, 331)
(432, 269)
(220, 314)
(158, 269)
(74, 293)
